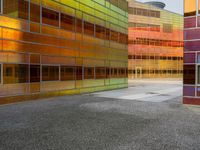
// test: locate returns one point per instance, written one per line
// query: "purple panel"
(189, 58)
(188, 91)
(198, 57)
(198, 22)
(190, 22)
(192, 34)
(198, 91)
(192, 45)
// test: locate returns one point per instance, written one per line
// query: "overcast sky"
(171, 5)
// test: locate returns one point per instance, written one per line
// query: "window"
(122, 72)
(50, 17)
(123, 38)
(189, 74)
(89, 28)
(0, 6)
(108, 70)
(34, 12)
(67, 22)
(15, 73)
(167, 28)
(79, 73)
(114, 72)
(67, 73)
(198, 74)
(79, 25)
(50, 73)
(16, 8)
(100, 32)
(107, 34)
(34, 73)
(100, 72)
(144, 12)
(89, 73)
(0, 74)
(114, 36)
(189, 7)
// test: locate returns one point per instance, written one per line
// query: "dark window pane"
(114, 72)
(89, 73)
(108, 72)
(50, 17)
(100, 32)
(198, 74)
(89, 28)
(50, 73)
(122, 72)
(189, 74)
(100, 72)
(34, 73)
(16, 8)
(123, 38)
(79, 73)
(0, 73)
(107, 34)
(34, 12)
(114, 36)
(0, 6)
(79, 25)
(67, 22)
(67, 73)
(13, 73)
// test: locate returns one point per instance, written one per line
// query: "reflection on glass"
(189, 74)
(189, 7)
(34, 73)
(67, 73)
(16, 8)
(50, 73)
(15, 73)
(34, 12)
(50, 17)
(88, 72)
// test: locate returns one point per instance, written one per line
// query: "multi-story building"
(155, 41)
(57, 47)
(191, 89)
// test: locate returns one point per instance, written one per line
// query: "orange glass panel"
(190, 7)
(34, 27)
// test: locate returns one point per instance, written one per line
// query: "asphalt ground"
(90, 122)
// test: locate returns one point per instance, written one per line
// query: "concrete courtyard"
(146, 116)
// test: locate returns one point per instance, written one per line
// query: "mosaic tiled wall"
(57, 47)
(155, 42)
(191, 90)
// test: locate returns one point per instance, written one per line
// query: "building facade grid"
(57, 47)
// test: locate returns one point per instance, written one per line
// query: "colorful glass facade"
(57, 47)
(191, 89)
(155, 42)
